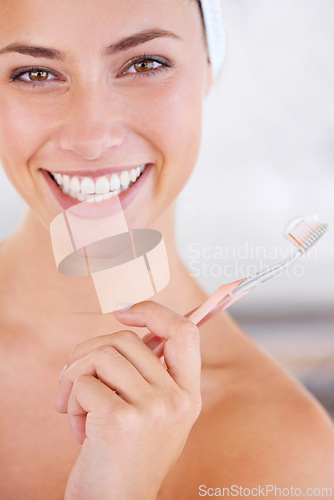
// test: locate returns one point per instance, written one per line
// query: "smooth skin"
(219, 411)
(147, 420)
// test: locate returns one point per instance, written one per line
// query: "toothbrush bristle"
(304, 232)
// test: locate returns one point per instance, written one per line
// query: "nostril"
(90, 150)
(90, 141)
(92, 157)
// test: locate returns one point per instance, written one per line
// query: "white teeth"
(66, 182)
(133, 175)
(82, 197)
(87, 186)
(109, 195)
(101, 197)
(125, 179)
(75, 185)
(98, 198)
(114, 182)
(102, 185)
(59, 178)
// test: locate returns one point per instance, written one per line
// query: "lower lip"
(101, 208)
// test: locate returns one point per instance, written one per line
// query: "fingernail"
(62, 373)
(123, 307)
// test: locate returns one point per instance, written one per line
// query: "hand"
(131, 413)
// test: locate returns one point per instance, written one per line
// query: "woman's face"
(86, 111)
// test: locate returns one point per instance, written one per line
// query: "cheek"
(178, 134)
(22, 127)
(174, 123)
(22, 131)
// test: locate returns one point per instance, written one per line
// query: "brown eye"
(144, 65)
(38, 75)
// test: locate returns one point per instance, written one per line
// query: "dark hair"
(199, 3)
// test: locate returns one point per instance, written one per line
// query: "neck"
(61, 311)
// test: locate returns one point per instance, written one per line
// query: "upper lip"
(96, 172)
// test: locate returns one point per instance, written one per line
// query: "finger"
(78, 424)
(90, 395)
(132, 347)
(113, 369)
(127, 342)
(182, 347)
(93, 343)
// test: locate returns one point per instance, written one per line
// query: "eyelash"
(162, 61)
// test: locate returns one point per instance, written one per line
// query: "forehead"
(92, 17)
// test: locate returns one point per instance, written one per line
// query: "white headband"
(215, 33)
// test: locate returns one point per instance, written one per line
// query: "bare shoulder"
(264, 425)
(258, 425)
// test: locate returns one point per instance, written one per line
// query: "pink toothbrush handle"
(218, 301)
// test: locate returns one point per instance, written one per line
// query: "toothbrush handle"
(197, 317)
(209, 308)
(219, 300)
(230, 293)
(247, 284)
(227, 295)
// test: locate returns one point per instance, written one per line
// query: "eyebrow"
(120, 46)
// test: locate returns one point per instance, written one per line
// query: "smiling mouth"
(97, 189)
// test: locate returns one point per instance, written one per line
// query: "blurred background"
(267, 156)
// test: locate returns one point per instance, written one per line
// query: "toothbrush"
(303, 232)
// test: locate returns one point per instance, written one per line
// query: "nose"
(91, 125)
